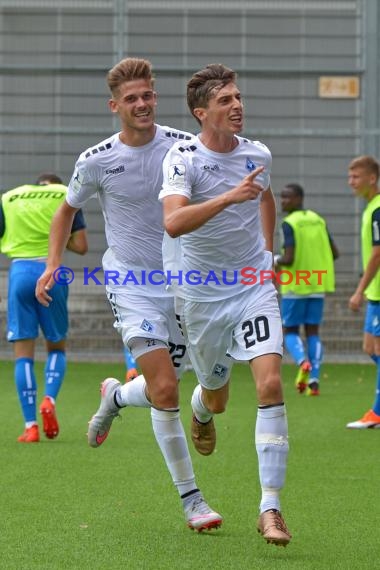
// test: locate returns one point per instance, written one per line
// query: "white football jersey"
(127, 181)
(211, 258)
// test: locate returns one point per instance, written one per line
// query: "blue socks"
(26, 387)
(376, 405)
(315, 353)
(294, 345)
(55, 369)
(130, 362)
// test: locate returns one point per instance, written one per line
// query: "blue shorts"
(372, 319)
(296, 312)
(25, 313)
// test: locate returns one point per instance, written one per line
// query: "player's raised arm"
(180, 217)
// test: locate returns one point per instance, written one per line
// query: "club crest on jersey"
(177, 174)
(146, 326)
(250, 165)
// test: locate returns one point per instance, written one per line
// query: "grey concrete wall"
(54, 55)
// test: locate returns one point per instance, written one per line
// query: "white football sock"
(170, 436)
(133, 394)
(272, 448)
(202, 414)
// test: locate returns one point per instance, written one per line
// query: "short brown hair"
(205, 82)
(48, 178)
(368, 163)
(129, 69)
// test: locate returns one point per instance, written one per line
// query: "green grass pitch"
(65, 505)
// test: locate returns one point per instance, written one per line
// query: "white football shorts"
(149, 318)
(242, 327)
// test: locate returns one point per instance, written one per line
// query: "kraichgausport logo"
(227, 277)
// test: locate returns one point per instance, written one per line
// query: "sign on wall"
(339, 87)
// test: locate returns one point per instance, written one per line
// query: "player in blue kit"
(25, 217)
(363, 178)
(307, 245)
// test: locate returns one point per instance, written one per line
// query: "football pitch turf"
(65, 505)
